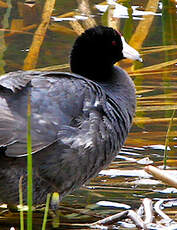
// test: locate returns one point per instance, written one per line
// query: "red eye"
(114, 43)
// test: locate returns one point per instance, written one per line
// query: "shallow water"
(149, 26)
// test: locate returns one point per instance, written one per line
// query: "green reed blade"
(167, 140)
(46, 211)
(29, 166)
(21, 204)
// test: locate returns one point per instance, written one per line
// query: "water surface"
(150, 27)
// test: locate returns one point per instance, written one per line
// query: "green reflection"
(169, 37)
(3, 47)
(128, 27)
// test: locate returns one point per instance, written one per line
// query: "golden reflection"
(57, 28)
(142, 30)
(84, 9)
(32, 57)
(29, 13)
(155, 49)
(109, 20)
(148, 120)
(3, 4)
(128, 28)
(148, 79)
(77, 27)
(155, 102)
(169, 37)
(157, 66)
(3, 46)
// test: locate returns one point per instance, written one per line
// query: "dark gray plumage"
(78, 125)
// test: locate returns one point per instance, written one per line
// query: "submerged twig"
(148, 210)
(73, 210)
(119, 216)
(111, 219)
(136, 219)
(157, 208)
(140, 210)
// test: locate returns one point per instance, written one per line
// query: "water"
(149, 26)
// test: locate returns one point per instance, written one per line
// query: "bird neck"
(121, 88)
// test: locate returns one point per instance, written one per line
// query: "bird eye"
(114, 43)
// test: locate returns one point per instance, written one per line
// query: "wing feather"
(57, 100)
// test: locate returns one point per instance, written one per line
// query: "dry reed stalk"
(162, 175)
(157, 66)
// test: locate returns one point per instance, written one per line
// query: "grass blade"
(46, 211)
(29, 167)
(21, 204)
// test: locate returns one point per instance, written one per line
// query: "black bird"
(79, 120)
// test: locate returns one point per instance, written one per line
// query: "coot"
(80, 120)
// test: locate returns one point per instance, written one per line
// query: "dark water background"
(154, 27)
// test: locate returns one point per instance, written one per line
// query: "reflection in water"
(33, 53)
(155, 35)
(169, 35)
(5, 24)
